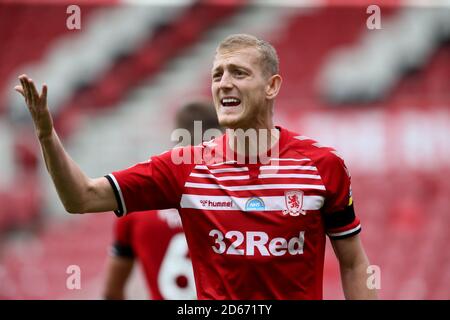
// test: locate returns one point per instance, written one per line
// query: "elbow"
(76, 205)
(87, 200)
(73, 211)
(74, 208)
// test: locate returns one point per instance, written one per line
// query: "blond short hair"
(269, 57)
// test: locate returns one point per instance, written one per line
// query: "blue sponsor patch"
(255, 204)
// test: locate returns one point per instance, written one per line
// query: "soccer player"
(156, 238)
(255, 207)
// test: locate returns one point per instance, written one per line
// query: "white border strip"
(345, 232)
(254, 187)
(224, 203)
(120, 193)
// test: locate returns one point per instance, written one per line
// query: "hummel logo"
(220, 204)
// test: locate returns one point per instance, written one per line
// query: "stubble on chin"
(228, 123)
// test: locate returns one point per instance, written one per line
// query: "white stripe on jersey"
(343, 233)
(223, 202)
(302, 138)
(289, 175)
(289, 159)
(240, 169)
(222, 170)
(288, 168)
(223, 163)
(254, 187)
(225, 178)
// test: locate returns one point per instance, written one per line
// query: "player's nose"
(226, 82)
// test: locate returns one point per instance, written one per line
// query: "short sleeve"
(122, 243)
(152, 185)
(338, 212)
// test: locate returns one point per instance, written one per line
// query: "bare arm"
(117, 274)
(78, 193)
(353, 264)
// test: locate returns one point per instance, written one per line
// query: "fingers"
(19, 89)
(44, 93)
(23, 81)
(23, 88)
(34, 92)
(29, 90)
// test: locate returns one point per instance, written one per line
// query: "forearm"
(117, 274)
(70, 182)
(354, 282)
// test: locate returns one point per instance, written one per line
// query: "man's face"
(238, 88)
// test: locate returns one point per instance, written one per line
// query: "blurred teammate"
(255, 229)
(156, 238)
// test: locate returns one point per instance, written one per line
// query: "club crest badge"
(294, 203)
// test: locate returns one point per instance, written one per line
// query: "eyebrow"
(231, 66)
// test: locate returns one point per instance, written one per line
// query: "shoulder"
(319, 154)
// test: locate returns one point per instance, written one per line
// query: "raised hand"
(37, 105)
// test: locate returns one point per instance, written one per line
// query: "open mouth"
(230, 102)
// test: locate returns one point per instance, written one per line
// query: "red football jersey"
(157, 240)
(254, 230)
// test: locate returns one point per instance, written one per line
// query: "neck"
(253, 142)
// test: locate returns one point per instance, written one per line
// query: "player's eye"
(217, 76)
(239, 73)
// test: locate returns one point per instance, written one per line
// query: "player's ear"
(273, 86)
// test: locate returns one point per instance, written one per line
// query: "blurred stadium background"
(381, 97)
